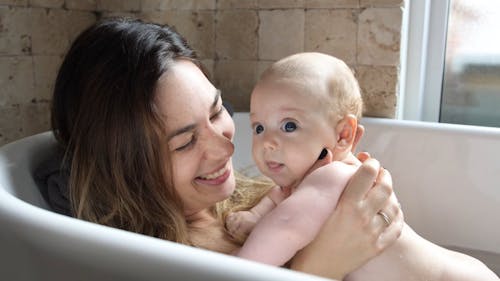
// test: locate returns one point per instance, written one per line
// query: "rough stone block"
(84, 5)
(332, 32)
(35, 118)
(14, 2)
(196, 26)
(54, 29)
(164, 5)
(379, 36)
(46, 3)
(381, 3)
(280, 4)
(379, 88)
(281, 33)
(119, 5)
(236, 80)
(10, 124)
(16, 80)
(236, 34)
(15, 31)
(237, 4)
(328, 4)
(45, 69)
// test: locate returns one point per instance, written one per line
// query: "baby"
(302, 105)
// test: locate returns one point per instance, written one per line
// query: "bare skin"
(289, 128)
(201, 145)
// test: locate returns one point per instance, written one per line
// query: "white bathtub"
(447, 178)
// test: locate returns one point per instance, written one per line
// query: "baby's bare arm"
(296, 221)
(290, 226)
(275, 196)
(240, 224)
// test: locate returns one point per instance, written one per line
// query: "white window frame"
(423, 46)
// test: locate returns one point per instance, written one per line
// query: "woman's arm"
(354, 233)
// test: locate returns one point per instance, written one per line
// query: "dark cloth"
(52, 178)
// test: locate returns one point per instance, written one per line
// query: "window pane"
(471, 88)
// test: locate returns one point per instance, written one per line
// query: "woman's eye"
(289, 126)
(187, 145)
(258, 129)
(217, 114)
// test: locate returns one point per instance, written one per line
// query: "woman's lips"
(217, 177)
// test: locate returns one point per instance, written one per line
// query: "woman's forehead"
(183, 84)
(184, 94)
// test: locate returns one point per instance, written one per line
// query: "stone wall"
(236, 39)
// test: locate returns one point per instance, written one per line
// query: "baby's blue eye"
(259, 129)
(289, 126)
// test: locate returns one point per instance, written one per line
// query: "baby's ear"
(346, 131)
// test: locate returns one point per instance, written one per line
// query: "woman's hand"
(355, 232)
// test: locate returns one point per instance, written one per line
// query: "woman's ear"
(346, 132)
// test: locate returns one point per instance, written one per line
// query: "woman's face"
(199, 132)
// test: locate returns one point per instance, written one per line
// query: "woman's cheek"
(182, 168)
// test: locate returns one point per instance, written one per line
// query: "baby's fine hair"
(344, 95)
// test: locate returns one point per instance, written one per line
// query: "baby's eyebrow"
(291, 109)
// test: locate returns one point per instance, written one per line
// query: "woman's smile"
(217, 177)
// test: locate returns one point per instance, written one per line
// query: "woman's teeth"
(214, 175)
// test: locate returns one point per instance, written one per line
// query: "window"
(451, 62)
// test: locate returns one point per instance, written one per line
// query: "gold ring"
(385, 217)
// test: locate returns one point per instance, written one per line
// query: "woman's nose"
(217, 145)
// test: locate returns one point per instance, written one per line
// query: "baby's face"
(290, 129)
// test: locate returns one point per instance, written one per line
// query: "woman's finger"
(362, 181)
(363, 156)
(385, 217)
(393, 231)
(378, 196)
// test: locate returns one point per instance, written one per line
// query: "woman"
(149, 147)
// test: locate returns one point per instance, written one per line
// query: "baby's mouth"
(274, 166)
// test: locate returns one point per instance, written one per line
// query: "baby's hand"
(240, 224)
(333, 175)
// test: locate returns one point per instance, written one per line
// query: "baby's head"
(302, 104)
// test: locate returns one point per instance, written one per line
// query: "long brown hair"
(104, 116)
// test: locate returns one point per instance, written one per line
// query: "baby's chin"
(284, 182)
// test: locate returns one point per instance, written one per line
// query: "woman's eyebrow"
(216, 98)
(181, 131)
(191, 127)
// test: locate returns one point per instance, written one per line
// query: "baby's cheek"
(258, 158)
(301, 161)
